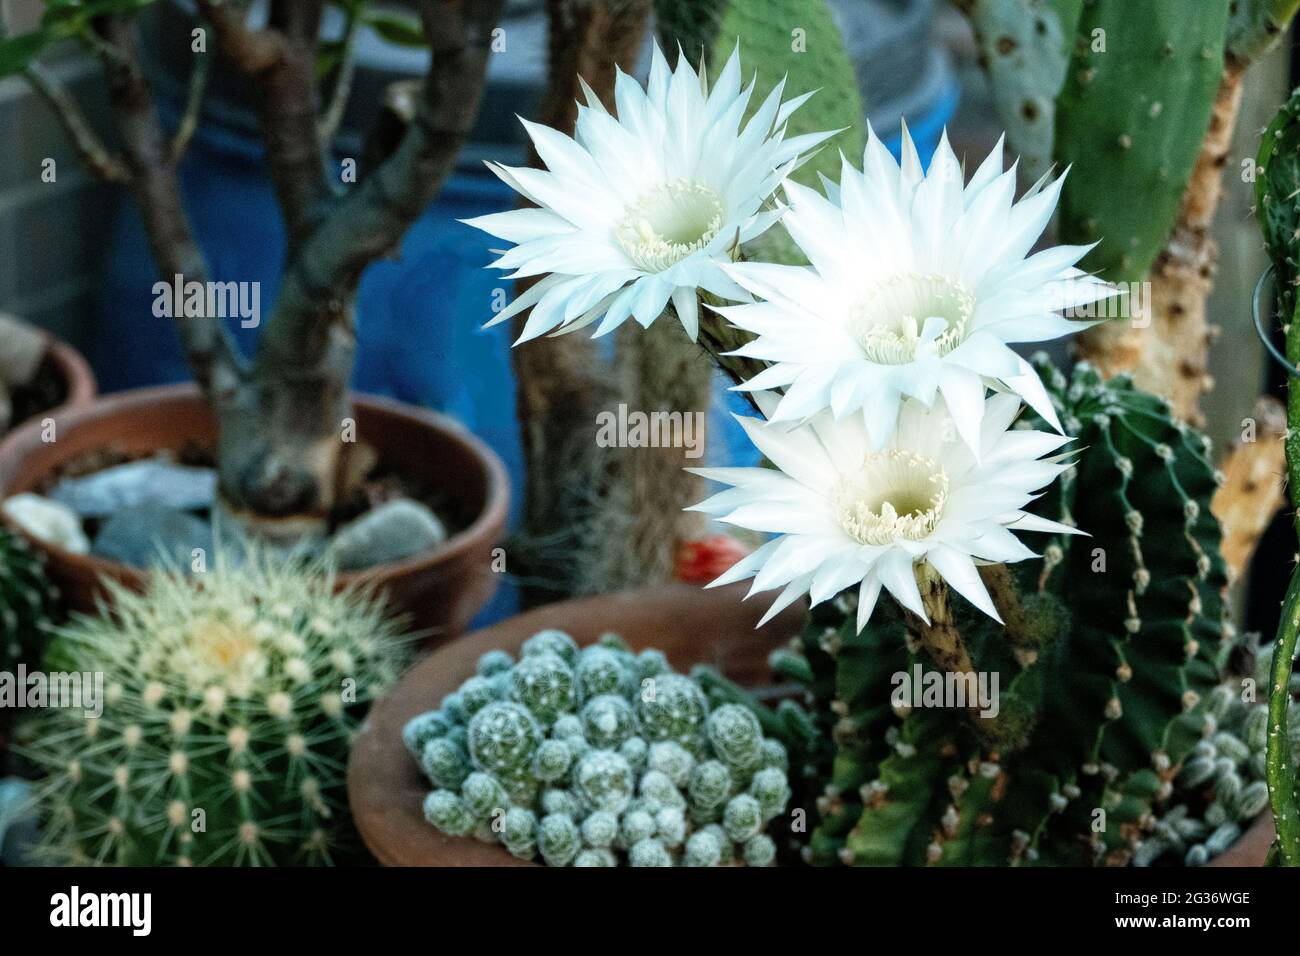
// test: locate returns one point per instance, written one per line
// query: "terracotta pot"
(441, 590)
(690, 625)
(1251, 849)
(386, 789)
(80, 387)
(76, 372)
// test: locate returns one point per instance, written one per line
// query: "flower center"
(895, 494)
(669, 223)
(890, 323)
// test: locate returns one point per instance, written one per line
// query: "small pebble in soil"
(107, 492)
(48, 521)
(148, 534)
(395, 530)
(25, 347)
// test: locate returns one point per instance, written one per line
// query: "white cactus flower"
(915, 287)
(640, 210)
(847, 512)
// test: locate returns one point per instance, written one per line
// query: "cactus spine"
(229, 702)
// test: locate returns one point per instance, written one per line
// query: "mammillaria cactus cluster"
(599, 757)
(1221, 787)
(230, 699)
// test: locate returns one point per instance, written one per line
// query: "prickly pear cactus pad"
(599, 757)
(1109, 668)
(27, 600)
(229, 700)
(1130, 120)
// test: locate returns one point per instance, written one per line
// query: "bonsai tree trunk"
(286, 449)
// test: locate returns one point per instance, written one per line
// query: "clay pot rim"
(82, 388)
(21, 441)
(76, 371)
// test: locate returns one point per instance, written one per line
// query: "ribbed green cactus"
(1025, 46)
(1111, 645)
(229, 702)
(26, 601)
(599, 757)
(1131, 118)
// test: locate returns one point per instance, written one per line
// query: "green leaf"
(18, 52)
(397, 28)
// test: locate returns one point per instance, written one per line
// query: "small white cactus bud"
(176, 814)
(214, 700)
(152, 694)
(180, 721)
(279, 705)
(237, 738)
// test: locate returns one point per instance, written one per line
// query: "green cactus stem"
(1277, 207)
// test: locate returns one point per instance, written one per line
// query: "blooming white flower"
(640, 210)
(847, 513)
(915, 287)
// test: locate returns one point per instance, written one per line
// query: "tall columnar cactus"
(26, 602)
(1131, 119)
(229, 702)
(1111, 647)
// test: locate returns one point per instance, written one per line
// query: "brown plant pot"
(440, 590)
(80, 387)
(692, 626)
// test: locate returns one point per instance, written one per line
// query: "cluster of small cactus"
(230, 699)
(599, 757)
(1113, 646)
(27, 600)
(1221, 788)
